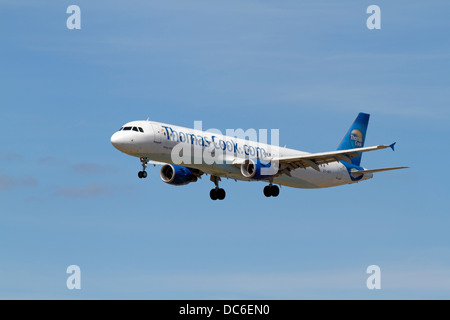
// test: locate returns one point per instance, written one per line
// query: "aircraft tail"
(356, 136)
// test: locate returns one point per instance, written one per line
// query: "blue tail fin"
(356, 136)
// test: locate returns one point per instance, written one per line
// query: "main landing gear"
(216, 193)
(271, 191)
(143, 174)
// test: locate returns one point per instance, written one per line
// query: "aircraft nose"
(114, 139)
(117, 140)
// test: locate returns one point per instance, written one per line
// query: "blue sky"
(306, 68)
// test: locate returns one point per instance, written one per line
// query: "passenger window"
(127, 129)
(135, 129)
(141, 130)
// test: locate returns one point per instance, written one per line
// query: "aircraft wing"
(156, 163)
(313, 160)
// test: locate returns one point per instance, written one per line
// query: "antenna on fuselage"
(148, 118)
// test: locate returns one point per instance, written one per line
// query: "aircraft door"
(157, 133)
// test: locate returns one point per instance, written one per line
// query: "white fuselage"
(159, 141)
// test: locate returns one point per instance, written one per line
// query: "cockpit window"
(137, 129)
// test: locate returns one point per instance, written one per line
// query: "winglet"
(392, 146)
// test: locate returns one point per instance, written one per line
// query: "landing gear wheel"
(271, 191)
(275, 191)
(220, 194)
(217, 193)
(213, 194)
(143, 174)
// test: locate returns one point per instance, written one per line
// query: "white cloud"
(10, 156)
(89, 168)
(91, 190)
(8, 182)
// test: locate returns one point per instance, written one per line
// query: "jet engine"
(255, 169)
(177, 175)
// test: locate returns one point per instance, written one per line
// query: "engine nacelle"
(177, 175)
(252, 169)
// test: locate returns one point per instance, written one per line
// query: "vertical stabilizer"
(356, 136)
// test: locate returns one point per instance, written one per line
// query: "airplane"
(230, 157)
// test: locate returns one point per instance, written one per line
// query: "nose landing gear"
(143, 174)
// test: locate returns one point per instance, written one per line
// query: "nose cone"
(115, 140)
(124, 142)
(120, 141)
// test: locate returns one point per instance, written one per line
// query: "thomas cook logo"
(356, 138)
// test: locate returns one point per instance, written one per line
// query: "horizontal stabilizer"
(360, 172)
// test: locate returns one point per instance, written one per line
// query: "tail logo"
(356, 138)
